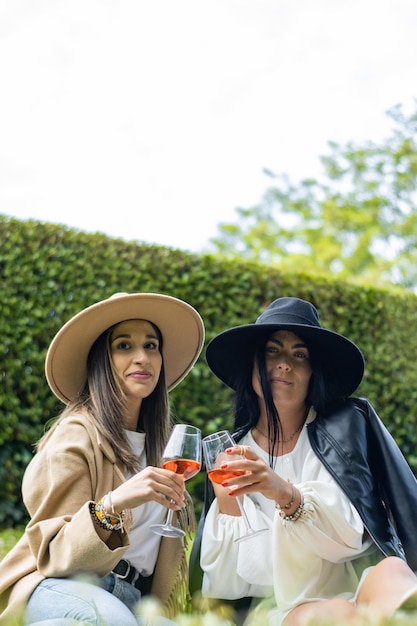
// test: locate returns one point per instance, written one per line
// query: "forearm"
(226, 502)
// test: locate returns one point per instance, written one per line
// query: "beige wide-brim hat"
(180, 324)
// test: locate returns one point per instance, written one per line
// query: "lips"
(140, 375)
(282, 381)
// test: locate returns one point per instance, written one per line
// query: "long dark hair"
(246, 409)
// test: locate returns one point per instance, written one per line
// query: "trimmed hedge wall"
(49, 272)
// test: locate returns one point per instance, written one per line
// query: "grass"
(8, 538)
(220, 615)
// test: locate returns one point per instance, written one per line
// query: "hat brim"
(341, 360)
(180, 324)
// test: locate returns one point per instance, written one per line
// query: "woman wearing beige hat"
(95, 485)
(320, 471)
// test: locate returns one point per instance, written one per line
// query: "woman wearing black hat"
(322, 473)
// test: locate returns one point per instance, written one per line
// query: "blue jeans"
(110, 601)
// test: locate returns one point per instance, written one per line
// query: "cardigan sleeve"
(64, 476)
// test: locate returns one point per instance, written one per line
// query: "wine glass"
(182, 455)
(214, 448)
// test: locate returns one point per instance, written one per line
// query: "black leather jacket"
(363, 458)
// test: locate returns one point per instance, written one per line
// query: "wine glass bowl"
(218, 476)
(214, 449)
(186, 468)
(182, 455)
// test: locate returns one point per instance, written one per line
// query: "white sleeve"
(236, 570)
(332, 528)
(320, 546)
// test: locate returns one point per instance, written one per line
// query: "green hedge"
(49, 272)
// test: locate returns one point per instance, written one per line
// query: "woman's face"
(288, 369)
(136, 357)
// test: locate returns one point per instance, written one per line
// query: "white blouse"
(309, 559)
(144, 544)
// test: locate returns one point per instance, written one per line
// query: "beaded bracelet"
(286, 507)
(106, 520)
(297, 513)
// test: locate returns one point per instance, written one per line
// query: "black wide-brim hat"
(341, 360)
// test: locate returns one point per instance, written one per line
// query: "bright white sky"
(153, 119)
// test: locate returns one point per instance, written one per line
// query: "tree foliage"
(357, 221)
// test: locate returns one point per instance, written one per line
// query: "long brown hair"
(104, 400)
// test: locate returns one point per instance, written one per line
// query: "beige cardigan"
(76, 466)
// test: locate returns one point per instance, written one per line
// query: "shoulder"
(69, 428)
(345, 426)
(342, 413)
(73, 435)
(77, 433)
(71, 449)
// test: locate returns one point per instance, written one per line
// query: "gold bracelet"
(296, 515)
(286, 507)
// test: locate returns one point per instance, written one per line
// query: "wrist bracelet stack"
(108, 521)
(296, 515)
(287, 507)
(293, 517)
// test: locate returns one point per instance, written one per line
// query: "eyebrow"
(128, 336)
(295, 345)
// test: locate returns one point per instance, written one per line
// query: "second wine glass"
(214, 449)
(182, 455)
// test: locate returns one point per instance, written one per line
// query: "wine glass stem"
(168, 521)
(242, 510)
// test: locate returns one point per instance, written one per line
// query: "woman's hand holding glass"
(216, 457)
(182, 456)
(150, 484)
